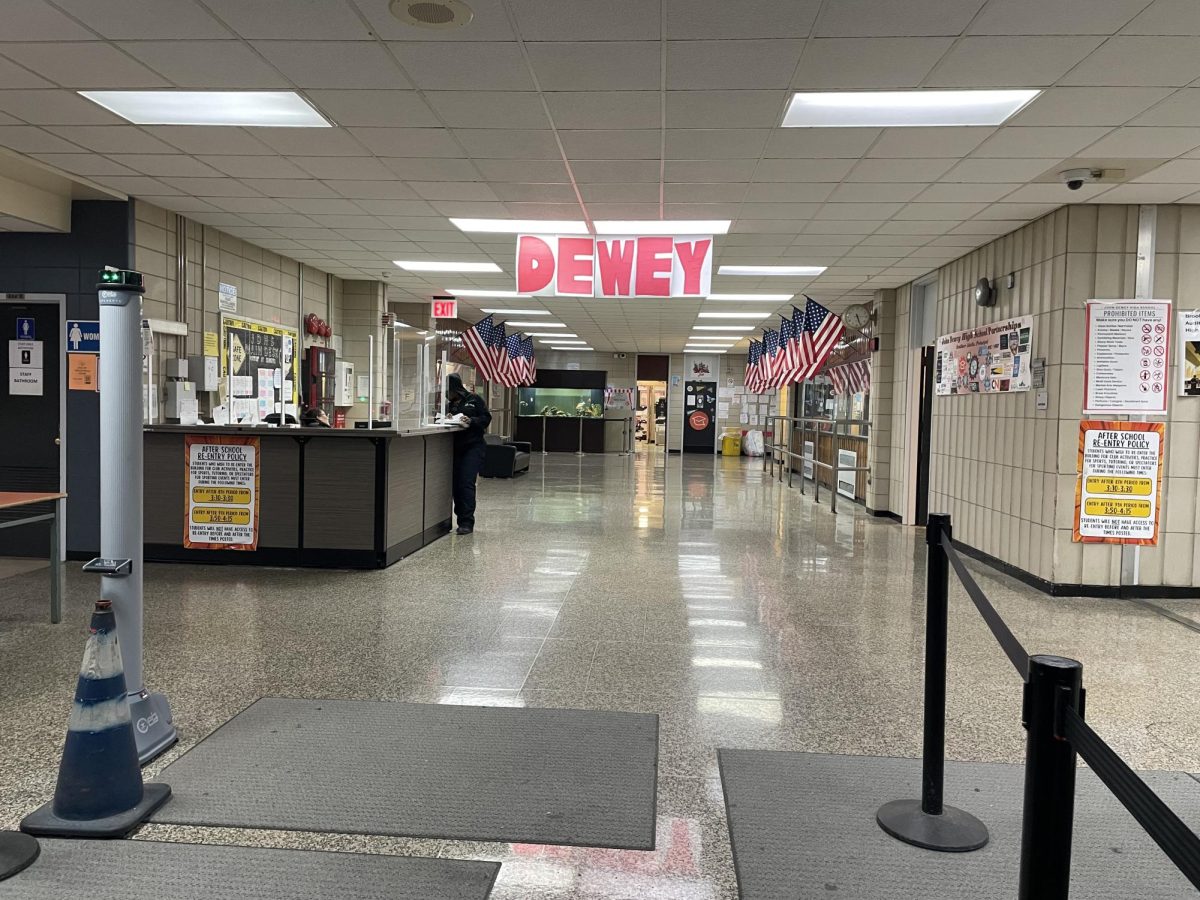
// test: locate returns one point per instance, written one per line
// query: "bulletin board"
(266, 353)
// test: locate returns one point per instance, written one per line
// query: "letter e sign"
(445, 308)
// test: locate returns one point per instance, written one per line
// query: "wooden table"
(10, 499)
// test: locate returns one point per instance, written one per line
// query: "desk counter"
(328, 497)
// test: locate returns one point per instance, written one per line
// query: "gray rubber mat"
(149, 870)
(543, 776)
(803, 826)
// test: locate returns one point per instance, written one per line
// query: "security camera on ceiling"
(1074, 179)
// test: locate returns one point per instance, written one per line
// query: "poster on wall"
(248, 349)
(1117, 493)
(700, 368)
(990, 359)
(222, 481)
(1189, 352)
(1125, 358)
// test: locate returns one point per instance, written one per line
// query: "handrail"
(775, 451)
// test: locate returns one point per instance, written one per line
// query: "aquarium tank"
(567, 402)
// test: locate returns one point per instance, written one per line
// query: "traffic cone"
(100, 792)
(17, 853)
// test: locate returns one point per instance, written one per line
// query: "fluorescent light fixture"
(711, 343)
(718, 337)
(565, 343)
(765, 298)
(705, 350)
(662, 226)
(537, 324)
(482, 292)
(722, 328)
(903, 109)
(518, 312)
(416, 265)
(521, 226)
(585, 349)
(770, 270)
(550, 334)
(281, 109)
(747, 315)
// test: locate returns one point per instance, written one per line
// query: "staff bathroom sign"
(25, 372)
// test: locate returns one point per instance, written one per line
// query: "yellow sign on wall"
(1120, 476)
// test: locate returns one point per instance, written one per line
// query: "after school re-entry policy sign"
(222, 492)
(1117, 494)
(1126, 359)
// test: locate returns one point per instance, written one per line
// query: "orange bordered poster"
(1119, 488)
(222, 482)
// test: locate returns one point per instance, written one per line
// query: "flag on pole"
(770, 356)
(753, 380)
(788, 368)
(529, 364)
(822, 330)
(851, 378)
(511, 374)
(482, 340)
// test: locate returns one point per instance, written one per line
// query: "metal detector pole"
(121, 500)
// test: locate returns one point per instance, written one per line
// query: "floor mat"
(545, 776)
(803, 826)
(151, 870)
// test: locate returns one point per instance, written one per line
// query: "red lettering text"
(614, 259)
(575, 266)
(654, 260)
(535, 264)
(691, 258)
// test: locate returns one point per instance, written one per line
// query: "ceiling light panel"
(423, 266)
(904, 109)
(521, 226)
(770, 270)
(264, 109)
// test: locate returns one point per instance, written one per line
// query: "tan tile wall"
(894, 451)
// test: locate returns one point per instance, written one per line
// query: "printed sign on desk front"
(1126, 356)
(1120, 475)
(222, 492)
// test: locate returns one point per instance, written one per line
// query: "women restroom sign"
(619, 266)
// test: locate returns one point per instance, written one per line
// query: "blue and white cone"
(100, 791)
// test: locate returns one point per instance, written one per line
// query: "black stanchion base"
(17, 852)
(954, 831)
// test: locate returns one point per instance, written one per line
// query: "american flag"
(754, 377)
(822, 330)
(851, 378)
(788, 368)
(483, 340)
(770, 355)
(528, 363)
(512, 374)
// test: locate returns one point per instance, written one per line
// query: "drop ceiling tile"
(779, 210)
(85, 164)
(1179, 171)
(717, 171)
(799, 170)
(1146, 193)
(473, 66)
(932, 211)
(820, 143)
(309, 141)
(868, 18)
(612, 144)
(795, 192)
(596, 65)
(215, 141)
(488, 109)
(535, 193)
(28, 139)
(1017, 142)
(519, 171)
(352, 168)
(323, 206)
(181, 204)
(210, 187)
(605, 109)
(616, 170)
(965, 192)
(1024, 211)
(13, 76)
(1130, 60)
(453, 190)
(421, 169)
(390, 108)
(521, 210)
(900, 170)
(290, 20)
(715, 143)
(481, 209)
(868, 63)
(1027, 61)
(1062, 17)
(716, 19)
(732, 192)
(113, 139)
(617, 20)
(483, 143)
(987, 228)
(914, 226)
(1049, 192)
(731, 64)
(325, 64)
(894, 240)
(289, 187)
(730, 109)
(921, 143)
(253, 166)
(1181, 108)
(207, 64)
(405, 142)
(83, 64)
(160, 164)
(859, 211)
(1134, 142)
(999, 171)
(692, 211)
(1167, 17)
(1089, 106)
(33, 20)
(865, 192)
(840, 227)
(247, 205)
(394, 207)
(55, 107)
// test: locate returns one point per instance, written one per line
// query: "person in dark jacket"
(473, 417)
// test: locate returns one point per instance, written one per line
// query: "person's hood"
(454, 385)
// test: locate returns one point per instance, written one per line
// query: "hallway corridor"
(739, 611)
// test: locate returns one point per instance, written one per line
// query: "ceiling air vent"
(432, 13)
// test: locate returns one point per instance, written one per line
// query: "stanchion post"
(1055, 683)
(928, 822)
(544, 450)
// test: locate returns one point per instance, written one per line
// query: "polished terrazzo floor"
(696, 588)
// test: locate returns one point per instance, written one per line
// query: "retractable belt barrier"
(1053, 716)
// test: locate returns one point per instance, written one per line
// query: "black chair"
(504, 459)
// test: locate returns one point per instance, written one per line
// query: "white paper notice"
(243, 385)
(1189, 353)
(25, 382)
(1125, 360)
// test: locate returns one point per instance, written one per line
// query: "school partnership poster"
(990, 359)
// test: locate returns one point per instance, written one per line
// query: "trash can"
(731, 442)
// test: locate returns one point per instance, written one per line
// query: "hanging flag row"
(851, 378)
(796, 350)
(499, 357)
